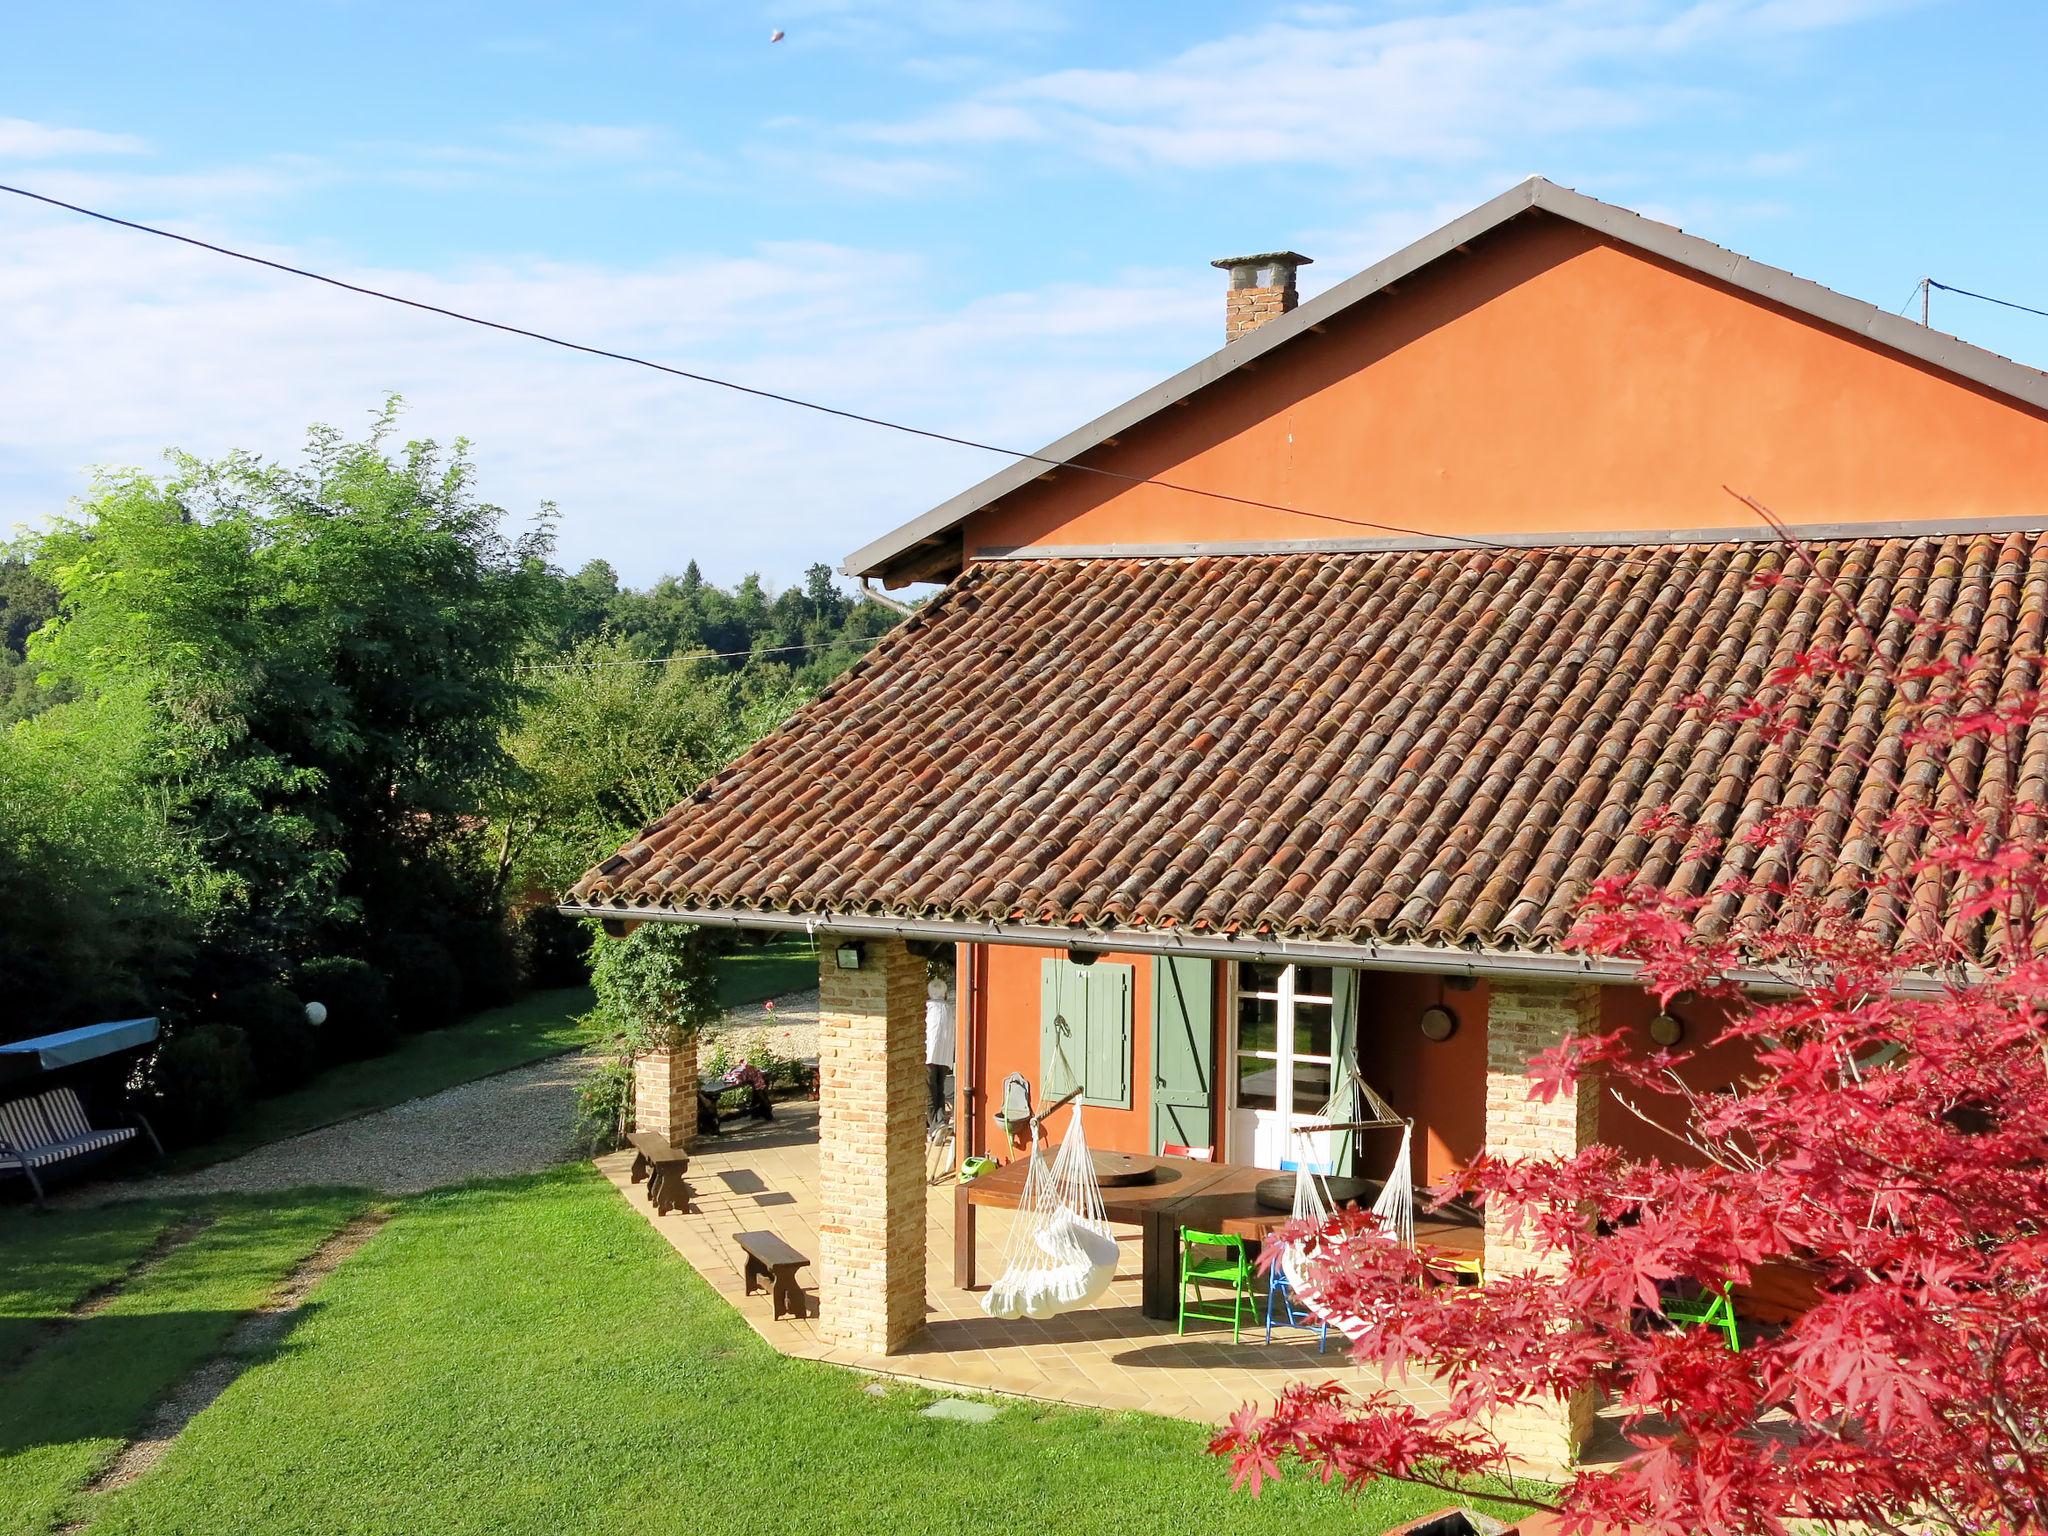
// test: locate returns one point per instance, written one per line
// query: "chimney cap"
(1263, 259)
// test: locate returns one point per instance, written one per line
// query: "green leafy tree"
(610, 740)
(807, 634)
(656, 988)
(100, 894)
(328, 655)
(27, 602)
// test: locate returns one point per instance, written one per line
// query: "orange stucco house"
(1312, 689)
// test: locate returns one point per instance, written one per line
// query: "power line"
(2027, 309)
(662, 661)
(711, 379)
(1436, 540)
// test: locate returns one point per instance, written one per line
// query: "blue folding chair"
(1280, 1295)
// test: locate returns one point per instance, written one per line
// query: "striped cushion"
(56, 1152)
(67, 1115)
(25, 1126)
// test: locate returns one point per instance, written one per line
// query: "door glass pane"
(1311, 1029)
(1311, 1087)
(1257, 1080)
(1312, 981)
(1256, 976)
(1258, 1024)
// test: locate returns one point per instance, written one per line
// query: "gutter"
(1412, 958)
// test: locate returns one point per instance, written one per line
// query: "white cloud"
(1331, 86)
(120, 347)
(21, 139)
(868, 22)
(589, 141)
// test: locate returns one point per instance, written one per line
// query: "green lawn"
(47, 1268)
(749, 975)
(68, 1406)
(529, 1356)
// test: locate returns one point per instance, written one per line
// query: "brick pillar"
(665, 1093)
(1524, 1017)
(871, 1229)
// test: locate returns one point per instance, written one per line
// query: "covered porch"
(1108, 1356)
(847, 1183)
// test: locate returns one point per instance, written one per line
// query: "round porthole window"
(1438, 1022)
(1667, 1029)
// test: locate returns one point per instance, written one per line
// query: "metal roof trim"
(1636, 538)
(1427, 959)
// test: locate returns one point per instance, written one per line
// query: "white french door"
(1280, 1058)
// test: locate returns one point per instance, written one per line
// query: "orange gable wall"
(1549, 381)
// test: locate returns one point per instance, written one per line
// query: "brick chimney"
(1261, 289)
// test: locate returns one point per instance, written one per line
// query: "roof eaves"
(1972, 363)
(1425, 959)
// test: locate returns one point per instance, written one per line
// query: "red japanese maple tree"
(1890, 1139)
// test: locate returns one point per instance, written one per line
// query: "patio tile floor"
(1108, 1356)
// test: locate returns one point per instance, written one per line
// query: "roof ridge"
(1978, 365)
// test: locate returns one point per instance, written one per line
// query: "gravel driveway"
(517, 1122)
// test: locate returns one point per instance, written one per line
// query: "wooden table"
(1211, 1197)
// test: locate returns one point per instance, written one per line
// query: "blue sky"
(993, 217)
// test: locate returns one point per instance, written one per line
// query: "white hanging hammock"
(1393, 1213)
(1060, 1254)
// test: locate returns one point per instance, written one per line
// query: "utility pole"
(1926, 284)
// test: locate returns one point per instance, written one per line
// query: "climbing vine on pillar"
(657, 990)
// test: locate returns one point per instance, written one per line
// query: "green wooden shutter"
(1108, 989)
(1062, 1021)
(1084, 1028)
(1183, 1052)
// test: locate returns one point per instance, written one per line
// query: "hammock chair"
(1060, 1254)
(1353, 1107)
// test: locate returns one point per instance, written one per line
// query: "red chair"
(1198, 1154)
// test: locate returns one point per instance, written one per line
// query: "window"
(1285, 1019)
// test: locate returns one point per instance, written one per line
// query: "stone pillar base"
(871, 1112)
(665, 1094)
(1545, 1438)
(1523, 1018)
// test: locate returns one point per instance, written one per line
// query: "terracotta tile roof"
(1442, 747)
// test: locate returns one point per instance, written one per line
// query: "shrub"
(200, 1082)
(604, 1100)
(426, 987)
(658, 985)
(484, 956)
(556, 949)
(282, 1045)
(360, 1022)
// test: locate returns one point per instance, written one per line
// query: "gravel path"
(787, 1025)
(517, 1122)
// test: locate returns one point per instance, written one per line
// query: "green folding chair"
(1215, 1258)
(1712, 1308)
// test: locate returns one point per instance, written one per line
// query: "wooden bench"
(51, 1128)
(662, 1166)
(770, 1258)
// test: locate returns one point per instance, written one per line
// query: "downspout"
(869, 591)
(967, 1086)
